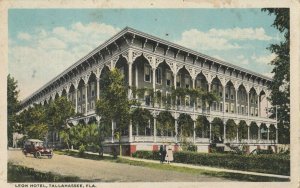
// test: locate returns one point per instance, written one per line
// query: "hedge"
(268, 163)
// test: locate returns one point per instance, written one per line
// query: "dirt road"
(104, 171)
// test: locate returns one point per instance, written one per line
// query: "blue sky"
(43, 42)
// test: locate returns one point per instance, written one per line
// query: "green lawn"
(227, 175)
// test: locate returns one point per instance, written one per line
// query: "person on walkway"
(161, 153)
(169, 155)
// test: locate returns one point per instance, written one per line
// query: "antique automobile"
(37, 148)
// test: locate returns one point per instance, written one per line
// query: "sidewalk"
(199, 167)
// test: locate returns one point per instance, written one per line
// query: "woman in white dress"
(169, 155)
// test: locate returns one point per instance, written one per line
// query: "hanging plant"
(133, 90)
(141, 92)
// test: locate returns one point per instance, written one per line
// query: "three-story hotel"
(152, 63)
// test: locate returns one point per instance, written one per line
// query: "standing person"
(169, 156)
(165, 153)
(161, 153)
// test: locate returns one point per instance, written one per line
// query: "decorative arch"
(202, 127)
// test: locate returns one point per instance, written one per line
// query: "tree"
(58, 112)
(217, 130)
(280, 85)
(114, 104)
(185, 125)
(12, 108)
(165, 122)
(231, 129)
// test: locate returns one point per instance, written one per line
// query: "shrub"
(265, 163)
(81, 150)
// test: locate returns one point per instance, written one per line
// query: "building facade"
(149, 62)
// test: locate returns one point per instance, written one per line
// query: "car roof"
(34, 140)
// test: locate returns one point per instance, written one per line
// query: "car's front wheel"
(50, 156)
(38, 155)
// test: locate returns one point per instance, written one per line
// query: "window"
(147, 100)
(168, 78)
(221, 107)
(92, 105)
(158, 75)
(256, 112)
(214, 106)
(227, 93)
(178, 80)
(88, 106)
(187, 101)
(232, 108)
(187, 81)
(251, 111)
(198, 83)
(243, 109)
(83, 108)
(93, 89)
(227, 107)
(79, 109)
(122, 70)
(147, 73)
(79, 95)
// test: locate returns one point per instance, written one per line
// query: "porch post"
(248, 133)
(176, 131)
(209, 132)
(224, 123)
(268, 131)
(276, 135)
(130, 79)
(76, 100)
(86, 99)
(130, 130)
(258, 132)
(98, 88)
(112, 131)
(154, 129)
(258, 107)
(194, 132)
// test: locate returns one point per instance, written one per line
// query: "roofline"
(154, 38)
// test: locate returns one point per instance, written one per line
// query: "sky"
(44, 42)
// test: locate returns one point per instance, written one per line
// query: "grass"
(18, 173)
(226, 175)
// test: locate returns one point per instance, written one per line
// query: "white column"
(175, 77)
(194, 132)
(136, 76)
(129, 79)
(112, 131)
(176, 131)
(193, 82)
(224, 123)
(248, 134)
(224, 90)
(130, 131)
(209, 132)
(237, 135)
(154, 129)
(98, 88)
(76, 100)
(153, 78)
(86, 99)
(258, 106)
(67, 93)
(258, 132)
(268, 131)
(236, 102)
(248, 104)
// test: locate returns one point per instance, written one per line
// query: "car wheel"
(50, 156)
(38, 155)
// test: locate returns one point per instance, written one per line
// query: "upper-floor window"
(178, 80)
(187, 81)
(147, 73)
(158, 75)
(168, 78)
(92, 89)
